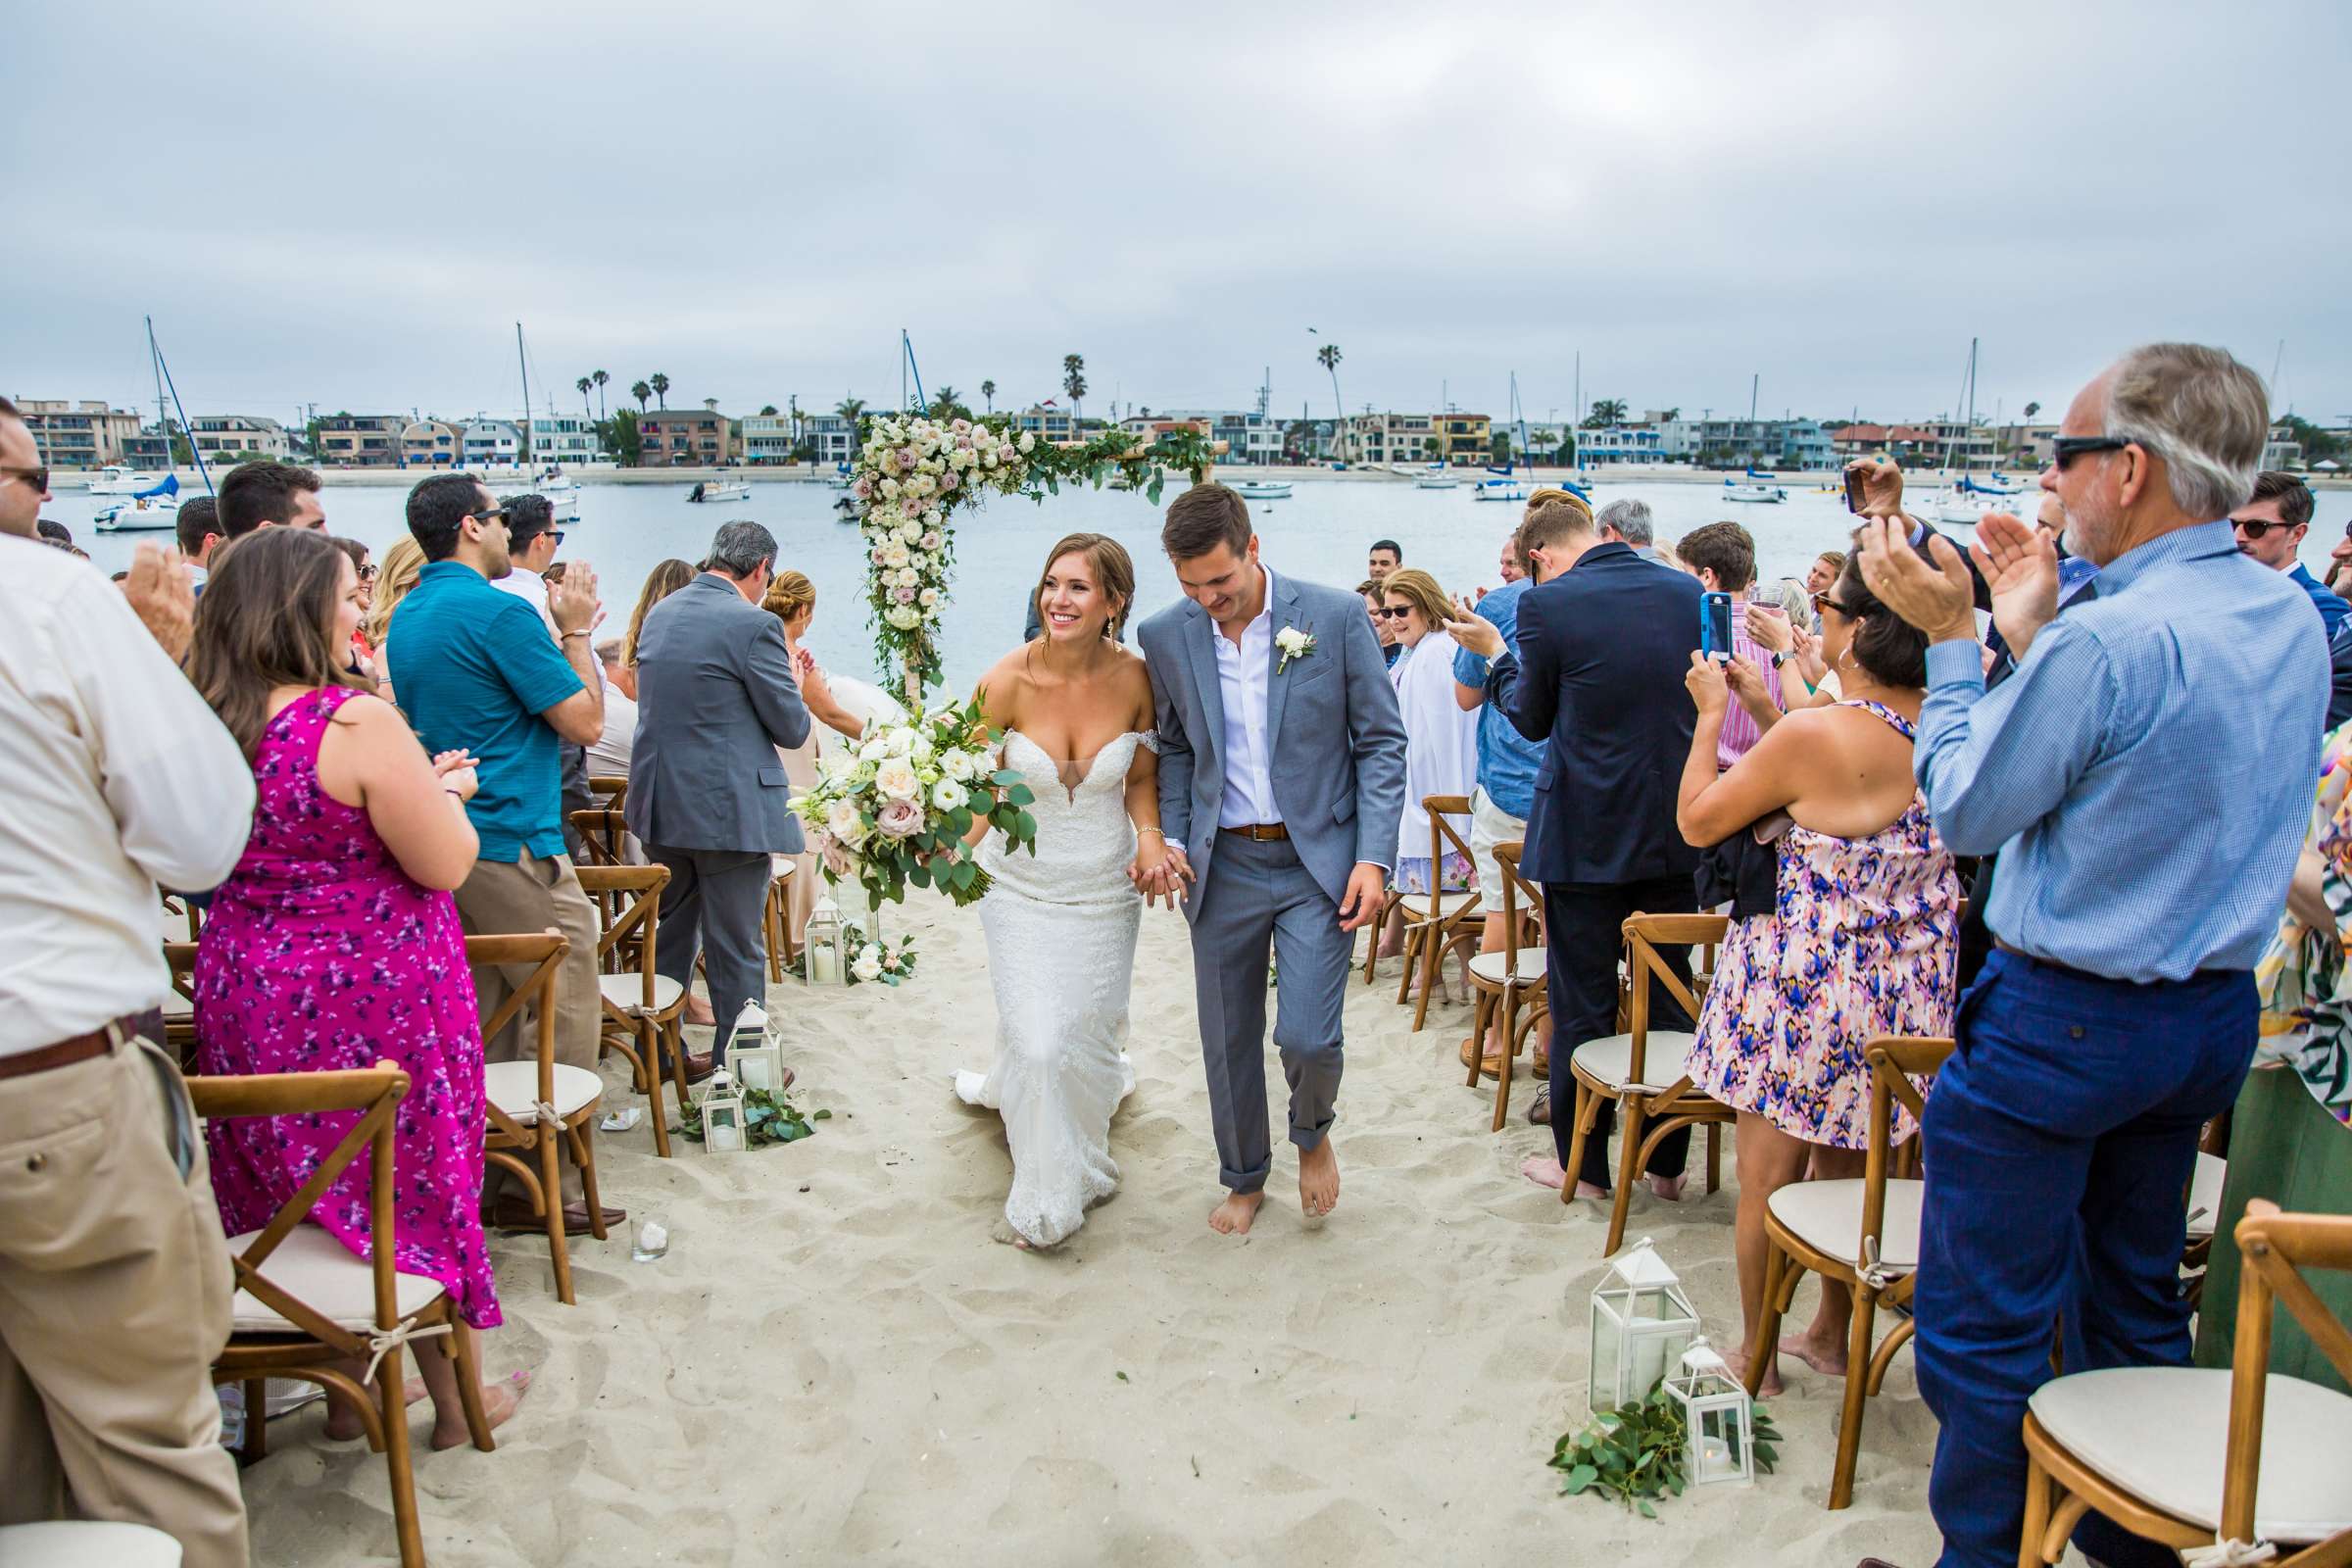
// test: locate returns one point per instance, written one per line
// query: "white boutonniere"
(1295, 643)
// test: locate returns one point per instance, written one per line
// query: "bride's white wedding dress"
(1061, 930)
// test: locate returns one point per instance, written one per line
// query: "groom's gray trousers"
(1257, 894)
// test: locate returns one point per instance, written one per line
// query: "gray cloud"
(317, 203)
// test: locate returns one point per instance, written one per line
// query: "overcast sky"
(318, 202)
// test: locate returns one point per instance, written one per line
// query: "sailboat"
(559, 493)
(155, 506)
(1955, 505)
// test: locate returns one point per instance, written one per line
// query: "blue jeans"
(2060, 1140)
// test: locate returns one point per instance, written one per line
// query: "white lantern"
(1641, 1323)
(754, 1057)
(824, 946)
(722, 1115)
(1719, 1440)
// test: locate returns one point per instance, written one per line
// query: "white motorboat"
(721, 490)
(565, 504)
(1435, 480)
(1764, 493)
(555, 482)
(137, 513)
(116, 480)
(1263, 490)
(1499, 490)
(1953, 508)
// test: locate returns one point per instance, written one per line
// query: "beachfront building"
(1637, 444)
(236, 436)
(1459, 438)
(2281, 451)
(834, 437)
(84, 434)
(563, 441)
(1392, 437)
(491, 443)
(1957, 444)
(673, 437)
(1248, 436)
(360, 440)
(1731, 443)
(432, 444)
(766, 439)
(151, 449)
(1046, 423)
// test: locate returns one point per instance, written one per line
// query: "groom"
(1281, 779)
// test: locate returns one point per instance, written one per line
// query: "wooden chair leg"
(1410, 958)
(552, 1196)
(649, 1046)
(460, 1347)
(1857, 1378)
(392, 1399)
(1587, 1111)
(1372, 938)
(1432, 971)
(582, 1136)
(678, 1059)
(1484, 1016)
(1714, 1157)
(256, 1446)
(1503, 1079)
(1764, 1351)
(2038, 1515)
(1630, 1116)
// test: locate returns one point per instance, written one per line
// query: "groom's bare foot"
(1232, 1217)
(1318, 1180)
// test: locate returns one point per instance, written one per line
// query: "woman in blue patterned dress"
(1862, 938)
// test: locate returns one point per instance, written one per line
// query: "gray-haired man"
(708, 793)
(1627, 523)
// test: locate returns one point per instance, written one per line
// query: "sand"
(836, 1364)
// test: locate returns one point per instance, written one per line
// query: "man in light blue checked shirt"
(2145, 775)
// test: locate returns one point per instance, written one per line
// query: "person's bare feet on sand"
(1827, 1360)
(500, 1400)
(1735, 1358)
(1232, 1217)
(1667, 1187)
(343, 1422)
(1544, 1171)
(1318, 1180)
(698, 1013)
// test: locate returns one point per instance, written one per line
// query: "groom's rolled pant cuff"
(1255, 1182)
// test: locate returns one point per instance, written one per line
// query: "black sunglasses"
(557, 534)
(2065, 449)
(1394, 612)
(2256, 527)
(1822, 601)
(38, 477)
(485, 518)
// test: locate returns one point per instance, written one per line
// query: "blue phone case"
(1711, 606)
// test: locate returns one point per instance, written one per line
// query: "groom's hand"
(1367, 891)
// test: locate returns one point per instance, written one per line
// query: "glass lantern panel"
(1608, 1357)
(1721, 1452)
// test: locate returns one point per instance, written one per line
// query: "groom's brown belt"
(1263, 832)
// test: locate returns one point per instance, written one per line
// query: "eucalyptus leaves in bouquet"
(896, 806)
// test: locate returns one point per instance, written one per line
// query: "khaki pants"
(522, 897)
(115, 1286)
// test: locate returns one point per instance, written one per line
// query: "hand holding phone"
(1715, 626)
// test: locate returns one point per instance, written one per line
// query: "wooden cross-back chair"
(1860, 1236)
(604, 834)
(1642, 1069)
(1429, 920)
(612, 789)
(537, 1107)
(2224, 1467)
(776, 921)
(180, 1007)
(1503, 980)
(306, 1305)
(642, 1008)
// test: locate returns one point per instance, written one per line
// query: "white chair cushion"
(627, 991)
(1490, 966)
(1827, 1217)
(1458, 905)
(1610, 1060)
(2205, 1195)
(86, 1544)
(514, 1087)
(2159, 1433)
(783, 868)
(176, 1006)
(329, 1278)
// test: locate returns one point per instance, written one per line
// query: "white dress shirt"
(1244, 670)
(531, 588)
(117, 777)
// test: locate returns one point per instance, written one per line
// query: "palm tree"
(947, 403)
(600, 379)
(793, 403)
(585, 385)
(852, 409)
(661, 386)
(1328, 356)
(988, 391)
(640, 391)
(1073, 381)
(767, 411)
(1605, 411)
(1669, 416)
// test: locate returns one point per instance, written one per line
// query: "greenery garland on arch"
(914, 474)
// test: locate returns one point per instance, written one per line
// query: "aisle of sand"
(835, 1363)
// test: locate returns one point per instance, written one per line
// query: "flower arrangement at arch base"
(894, 809)
(913, 473)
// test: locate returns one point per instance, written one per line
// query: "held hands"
(1475, 632)
(572, 600)
(1160, 869)
(1709, 688)
(162, 596)
(2020, 565)
(1940, 599)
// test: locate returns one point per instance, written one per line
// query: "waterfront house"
(1731, 443)
(766, 439)
(674, 437)
(492, 443)
(432, 444)
(1392, 437)
(360, 440)
(834, 437)
(563, 441)
(1048, 423)
(1637, 444)
(1459, 438)
(84, 434)
(235, 436)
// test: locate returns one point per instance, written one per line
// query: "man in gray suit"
(716, 697)
(1281, 781)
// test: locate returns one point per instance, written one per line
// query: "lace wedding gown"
(1060, 952)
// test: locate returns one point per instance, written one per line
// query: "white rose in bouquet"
(894, 555)
(844, 823)
(928, 599)
(959, 765)
(897, 779)
(889, 489)
(949, 794)
(1028, 440)
(899, 742)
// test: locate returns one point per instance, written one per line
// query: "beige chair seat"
(2159, 1433)
(783, 868)
(325, 1276)
(2205, 1195)
(627, 991)
(514, 1086)
(1493, 968)
(176, 1006)
(86, 1544)
(1609, 1061)
(1457, 905)
(1827, 1217)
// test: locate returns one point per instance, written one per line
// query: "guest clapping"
(1859, 940)
(1440, 739)
(334, 943)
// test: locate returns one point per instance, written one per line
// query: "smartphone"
(1715, 626)
(1853, 491)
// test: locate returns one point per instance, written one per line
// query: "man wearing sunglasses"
(2270, 526)
(533, 540)
(2145, 775)
(24, 477)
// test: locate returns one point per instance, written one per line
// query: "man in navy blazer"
(1604, 642)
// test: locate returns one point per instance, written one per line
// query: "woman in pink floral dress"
(335, 943)
(1862, 940)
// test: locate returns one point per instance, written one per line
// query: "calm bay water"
(1321, 534)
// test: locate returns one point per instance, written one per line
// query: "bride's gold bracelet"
(1163, 838)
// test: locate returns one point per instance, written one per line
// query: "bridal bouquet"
(894, 807)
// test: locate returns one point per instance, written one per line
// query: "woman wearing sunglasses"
(1440, 739)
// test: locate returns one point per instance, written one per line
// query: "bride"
(1076, 711)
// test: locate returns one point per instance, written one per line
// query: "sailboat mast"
(163, 410)
(523, 361)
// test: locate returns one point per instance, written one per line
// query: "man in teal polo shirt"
(476, 671)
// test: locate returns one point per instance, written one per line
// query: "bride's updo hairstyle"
(1113, 571)
(789, 594)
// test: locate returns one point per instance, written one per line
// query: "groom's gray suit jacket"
(1334, 734)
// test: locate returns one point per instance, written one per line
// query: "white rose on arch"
(1028, 440)
(928, 598)
(904, 617)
